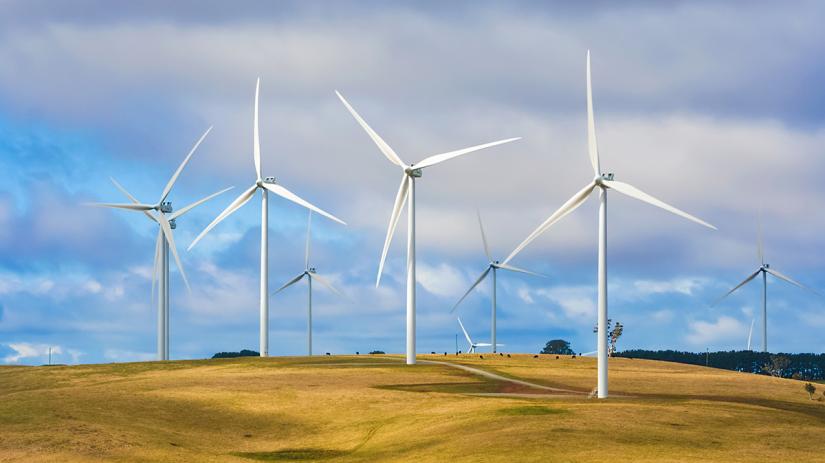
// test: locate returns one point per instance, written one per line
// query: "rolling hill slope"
(371, 408)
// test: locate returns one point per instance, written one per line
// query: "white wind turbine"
(750, 333)
(492, 267)
(764, 269)
(311, 274)
(265, 185)
(471, 349)
(601, 182)
(406, 193)
(161, 213)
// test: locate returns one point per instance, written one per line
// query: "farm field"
(374, 408)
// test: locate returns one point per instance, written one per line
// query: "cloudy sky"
(717, 108)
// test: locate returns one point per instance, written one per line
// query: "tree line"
(798, 366)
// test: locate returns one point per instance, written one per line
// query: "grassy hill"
(369, 408)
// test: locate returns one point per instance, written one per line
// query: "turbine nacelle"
(165, 207)
(269, 180)
(413, 172)
(311, 270)
(608, 176)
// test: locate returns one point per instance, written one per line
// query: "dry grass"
(371, 408)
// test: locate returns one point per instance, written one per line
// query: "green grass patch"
(531, 410)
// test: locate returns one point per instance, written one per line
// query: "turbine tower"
(311, 274)
(406, 194)
(601, 182)
(161, 213)
(764, 269)
(471, 349)
(492, 267)
(265, 185)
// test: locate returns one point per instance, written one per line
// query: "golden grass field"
(374, 408)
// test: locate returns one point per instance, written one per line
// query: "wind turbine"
(311, 274)
(472, 345)
(764, 269)
(406, 193)
(492, 267)
(750, 333)
(265, 185)
(162, 214)
(601, 182)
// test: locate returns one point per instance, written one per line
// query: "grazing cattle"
(535, 356)
(508, 355)
(481, 356)
(328, 353)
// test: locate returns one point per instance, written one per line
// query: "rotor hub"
(416, 173)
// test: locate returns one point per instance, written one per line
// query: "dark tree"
(777, 365)
(557, 346)
(242, 353)
(811, 390)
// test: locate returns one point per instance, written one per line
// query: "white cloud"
(25, 350)
(687, 286)
(577, 302)
(119, 355)
(724, 329)
(441, 280)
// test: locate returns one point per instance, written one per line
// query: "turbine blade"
(636, 193)
(480, 278)
(483, 237)
(233, 206)
(309, 228)
(281, 191)
(175, 176)
(167, 232)
(520, 270)
(484, 344)
(574, 202)
(400, 200)
(188, 208)
(131, 207)
(131, 197)
(156, 262)
(743, 283)
(290, 282)
(382, 145)
(782, 276)
(439, 158)
(466, 335)
(592, 147)
(326, 283)
(256, 139)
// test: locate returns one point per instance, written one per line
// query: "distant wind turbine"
(161, 213)
(311, 274)
(601, 182)
(406, 194)
(764, 269)
(750, 333)
(265, 185)
(471, 349)
(492, 268)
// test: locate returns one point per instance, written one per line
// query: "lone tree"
(557, 346)
(614, 332)
(811, 390)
